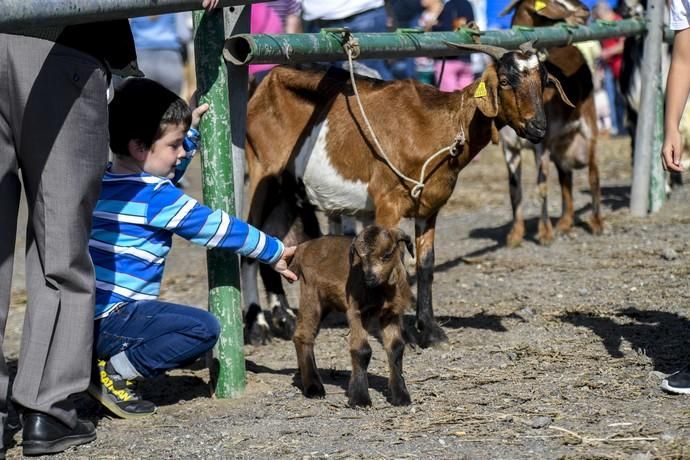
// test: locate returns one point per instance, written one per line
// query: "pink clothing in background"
(264, 21)
(456, 75)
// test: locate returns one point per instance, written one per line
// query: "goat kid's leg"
(360, 353)
(514, 164)
(256, 328)
(393, 343)
(430, 332)
(545, 231)
(309, 319)
(596, 223)
(565, 178)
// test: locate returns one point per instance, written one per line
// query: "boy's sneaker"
(120, 396)
(678, 382)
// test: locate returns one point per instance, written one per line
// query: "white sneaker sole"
(666, 387)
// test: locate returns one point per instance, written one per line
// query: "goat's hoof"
(283, 322)
(433, 336)
(256, 330)
(564, 226)
(514, 238)
(596, 226)
(257, 335)
(513, 242)
(401, 399)
(314, 390)
(545, 236)
(360, 400)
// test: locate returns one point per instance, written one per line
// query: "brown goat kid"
(371, 286)
(571, 136)
(304, 127)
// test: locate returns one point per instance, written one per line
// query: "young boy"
(136, 335)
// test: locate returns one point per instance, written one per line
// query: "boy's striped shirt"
(133, 223)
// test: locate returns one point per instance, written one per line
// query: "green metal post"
(657, 185)
(228, 371)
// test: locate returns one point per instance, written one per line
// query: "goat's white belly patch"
(326, 188)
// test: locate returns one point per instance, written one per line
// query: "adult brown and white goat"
(364, 278)
(304, 127)
(571, 136)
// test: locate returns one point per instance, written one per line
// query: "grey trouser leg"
(53, 126)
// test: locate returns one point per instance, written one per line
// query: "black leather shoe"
(44, 434)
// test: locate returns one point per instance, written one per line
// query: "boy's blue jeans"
(155, 335)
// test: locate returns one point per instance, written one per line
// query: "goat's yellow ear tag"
(481, 90)
(539, 5)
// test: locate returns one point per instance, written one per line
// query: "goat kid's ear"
(400, 236)
(558, 86)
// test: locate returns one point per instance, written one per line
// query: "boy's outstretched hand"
(282, 265)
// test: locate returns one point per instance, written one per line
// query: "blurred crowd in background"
(165, 46)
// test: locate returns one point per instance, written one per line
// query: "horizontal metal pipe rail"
(328, 44)
(17, 15)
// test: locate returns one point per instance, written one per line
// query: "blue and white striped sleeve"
(181, 214)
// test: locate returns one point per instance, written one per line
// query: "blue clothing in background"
(158, 32)
(161, 43)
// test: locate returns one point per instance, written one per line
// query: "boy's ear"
(137, 149)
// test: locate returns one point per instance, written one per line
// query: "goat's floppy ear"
(485, 94)
(553, 80)
(398, 236)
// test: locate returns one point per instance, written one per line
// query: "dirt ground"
(554, 352)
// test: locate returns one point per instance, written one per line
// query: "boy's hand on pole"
(282, 265)
(197, 113)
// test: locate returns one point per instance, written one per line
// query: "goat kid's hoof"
(314, 390)
(283, 322)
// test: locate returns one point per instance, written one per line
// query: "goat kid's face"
(521, 82)
(378, 252)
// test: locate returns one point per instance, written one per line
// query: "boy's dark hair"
(141, 110)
